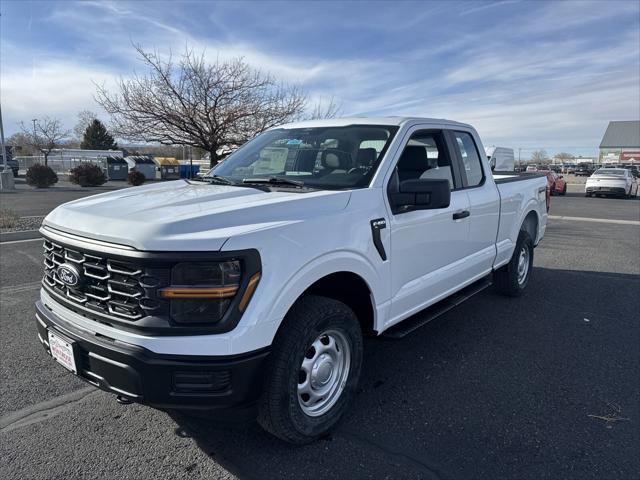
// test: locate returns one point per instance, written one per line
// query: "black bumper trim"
(157, 380)
(607, 190)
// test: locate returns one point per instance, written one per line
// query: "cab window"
(470, 158)
(425, 156)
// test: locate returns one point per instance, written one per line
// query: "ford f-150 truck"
(254, 286)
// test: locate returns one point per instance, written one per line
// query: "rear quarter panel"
(517, 200)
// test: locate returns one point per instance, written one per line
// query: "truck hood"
(180, 216)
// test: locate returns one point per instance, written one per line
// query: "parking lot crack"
(429, 471)
(44, 410)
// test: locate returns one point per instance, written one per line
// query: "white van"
(501, 159)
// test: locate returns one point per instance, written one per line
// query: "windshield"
(613, 172)
(319, 157)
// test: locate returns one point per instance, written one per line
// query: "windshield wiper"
(274, 181)
(217, 179)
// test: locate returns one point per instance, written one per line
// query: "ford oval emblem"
(69, 275)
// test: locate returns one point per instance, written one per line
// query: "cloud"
(55, 88)
(549, 80)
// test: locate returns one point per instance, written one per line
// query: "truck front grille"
(107, 287)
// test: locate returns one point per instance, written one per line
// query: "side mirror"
(560, 176)
(421, 194)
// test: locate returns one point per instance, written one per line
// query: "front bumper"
(161, 381)
(606, 190)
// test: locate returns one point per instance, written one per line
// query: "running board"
(420, 319)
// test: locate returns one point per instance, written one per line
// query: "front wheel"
(512, 279)
(313, 371)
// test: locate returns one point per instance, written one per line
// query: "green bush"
(136, 178)
(41, 176)
(87, 175)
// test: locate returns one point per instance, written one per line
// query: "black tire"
(564, 190)
(506, 277)
(279, 411)
(588, 195)
(553, 190)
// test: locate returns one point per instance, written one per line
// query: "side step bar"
(420, 319)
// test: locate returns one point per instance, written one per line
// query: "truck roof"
(342, 122)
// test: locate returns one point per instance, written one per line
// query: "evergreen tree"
(96, 137)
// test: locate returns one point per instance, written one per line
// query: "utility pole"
(519, 162)
(6, 175)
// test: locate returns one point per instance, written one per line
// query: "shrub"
(8, 219)
(41, 176)
(87, 175)
(136, 178)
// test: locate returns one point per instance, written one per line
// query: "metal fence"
(59, 165)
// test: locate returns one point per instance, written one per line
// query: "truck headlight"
(202, 292)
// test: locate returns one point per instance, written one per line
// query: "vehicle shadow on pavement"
(496, 388)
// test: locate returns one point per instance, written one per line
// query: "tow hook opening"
(122, 400)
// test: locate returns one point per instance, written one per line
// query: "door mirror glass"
(421, 194)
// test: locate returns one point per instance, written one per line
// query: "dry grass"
(8, 219)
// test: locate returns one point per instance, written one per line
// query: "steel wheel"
(523, 265)
(323, 373)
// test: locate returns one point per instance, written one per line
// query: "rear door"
(484, 203)
(428, 247)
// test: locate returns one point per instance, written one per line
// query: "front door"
(428, 247)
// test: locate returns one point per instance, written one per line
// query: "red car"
(555, 183)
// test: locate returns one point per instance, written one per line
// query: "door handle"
(462, 214)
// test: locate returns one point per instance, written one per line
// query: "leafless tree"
(324, 109)
(539, 156)
(45, 135)
(85, 117)
(564, 156)
(21, 144)
(215, 107)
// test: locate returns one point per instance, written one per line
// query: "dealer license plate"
(62, 351)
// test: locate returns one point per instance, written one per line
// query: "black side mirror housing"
(421, 194)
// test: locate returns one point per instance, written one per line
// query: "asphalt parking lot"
(543, 386)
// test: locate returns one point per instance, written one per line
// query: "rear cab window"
(471, 163)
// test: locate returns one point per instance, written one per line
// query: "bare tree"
(215, 107)
(85, 118)
(21, 144)
(45, 135)
(564, 157)
(539, 156)
(322, 109)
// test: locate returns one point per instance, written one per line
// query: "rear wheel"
(313, 372)
(512, 279)
(553, 189)
(564, 190)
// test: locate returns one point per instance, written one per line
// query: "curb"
(19, 235)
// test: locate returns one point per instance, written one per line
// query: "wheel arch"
(530, 224)
(355, 287)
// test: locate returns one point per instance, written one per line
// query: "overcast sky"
(526, 74)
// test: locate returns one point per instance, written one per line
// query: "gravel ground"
(24, 223)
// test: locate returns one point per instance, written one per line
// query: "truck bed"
(507, 177)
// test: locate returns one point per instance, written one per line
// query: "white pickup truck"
(253, 286)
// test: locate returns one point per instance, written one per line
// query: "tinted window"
(470, 158)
